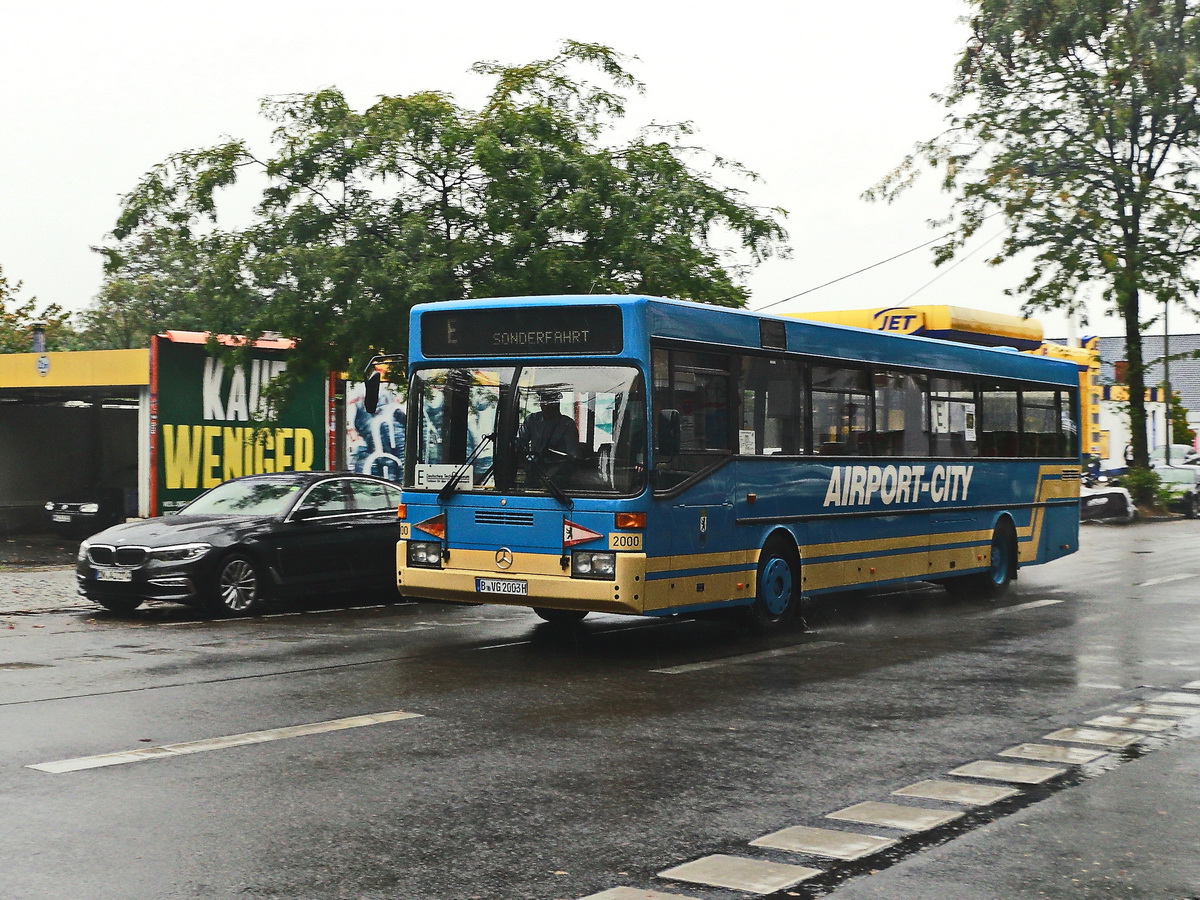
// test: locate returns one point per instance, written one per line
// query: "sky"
(820, 99)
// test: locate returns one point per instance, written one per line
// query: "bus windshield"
(528, 429)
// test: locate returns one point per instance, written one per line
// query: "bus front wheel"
(996, 580)
(777, 586)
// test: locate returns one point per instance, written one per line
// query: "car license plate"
(114, 575)
(60, 517)
(501, 586)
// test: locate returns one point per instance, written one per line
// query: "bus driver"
(549, 436)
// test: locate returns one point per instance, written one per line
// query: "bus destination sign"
(531, 331)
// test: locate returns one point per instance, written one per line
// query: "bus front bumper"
(531, 579)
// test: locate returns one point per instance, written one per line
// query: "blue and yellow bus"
(638, 455)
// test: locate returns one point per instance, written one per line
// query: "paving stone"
(1159, 709)
(957, 792)
(1015, 773)
(1136, 723)
(892, 815)
(628, 893)
(824, 842)
(1093, 736)
(1076, 756)
(1176, 697)
(737, 873)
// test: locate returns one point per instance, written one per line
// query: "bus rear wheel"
(776, 586)
(1002, 567)
(560, 616)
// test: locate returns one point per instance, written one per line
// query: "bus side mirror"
(371, 398)
(668, 432)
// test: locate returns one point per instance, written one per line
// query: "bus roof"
(707, 324)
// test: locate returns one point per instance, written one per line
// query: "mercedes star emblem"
(503, 558)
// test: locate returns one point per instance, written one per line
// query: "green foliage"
(417, 199)
(1078, 122)
(1145, 486)
(1180, 433)
(151, 285)
(17, 319)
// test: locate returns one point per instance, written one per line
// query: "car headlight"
(49, 506)
(89, 507)
(425, 553)
(83, 551)
(180, 552)
(586, 564)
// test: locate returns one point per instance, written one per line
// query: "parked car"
(1106, 503)
(86, 511)
(1182, 484)
(247, 540)
(1181, 455)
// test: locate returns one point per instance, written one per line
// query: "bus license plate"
(114, 575)
(501, 586)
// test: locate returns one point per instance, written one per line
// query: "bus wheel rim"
(777, 586)
(999, 561)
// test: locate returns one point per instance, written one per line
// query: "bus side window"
(697, 385)
(773, 401)
(900, 399)
(999, 430)
(842, 414)
(953, 415)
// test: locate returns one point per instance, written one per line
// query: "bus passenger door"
(701, 529)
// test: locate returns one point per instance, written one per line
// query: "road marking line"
(219, 743)
(283, 615)
(1166, 579)
(745, 658)
(1020, 607)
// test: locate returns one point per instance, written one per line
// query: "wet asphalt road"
(546, 763)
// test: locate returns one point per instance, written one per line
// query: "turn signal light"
(631, 520)
(402, 511)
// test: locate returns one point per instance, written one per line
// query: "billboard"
(211, 420)
(375, 443)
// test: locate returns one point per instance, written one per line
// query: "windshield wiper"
(547, 479)
(451, 487)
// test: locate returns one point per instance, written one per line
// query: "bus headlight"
(425, 553)
(586, 564)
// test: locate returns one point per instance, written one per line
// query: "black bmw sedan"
(247, 540)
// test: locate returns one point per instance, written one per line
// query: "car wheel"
(776, 586)
(560, 616)
(997, 579)
(238, 588)
(120, 604)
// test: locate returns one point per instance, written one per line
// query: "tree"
(150, 286)
(1180, 432)
(1077, 121)
(17, 319)
(417, 199)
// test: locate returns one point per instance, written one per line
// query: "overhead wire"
(881, 262)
